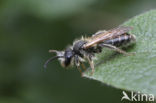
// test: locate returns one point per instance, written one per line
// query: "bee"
(86, 48)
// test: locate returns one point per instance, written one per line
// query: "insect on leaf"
(133, 73)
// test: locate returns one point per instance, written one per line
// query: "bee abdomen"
(121, 40)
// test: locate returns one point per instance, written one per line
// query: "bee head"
(65, 57)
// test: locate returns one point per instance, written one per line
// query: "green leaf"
(132, 73)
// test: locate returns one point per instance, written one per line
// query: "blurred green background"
(29, 28)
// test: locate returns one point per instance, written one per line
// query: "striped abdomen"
(121, 40)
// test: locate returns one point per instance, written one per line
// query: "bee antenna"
(51, 59)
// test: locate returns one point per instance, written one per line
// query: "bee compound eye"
(68, 53)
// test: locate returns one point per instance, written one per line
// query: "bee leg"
(83, 66)
(116, 49)
(91, 64)
(79, 69)
(77, 63)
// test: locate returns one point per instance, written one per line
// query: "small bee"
(86, 48)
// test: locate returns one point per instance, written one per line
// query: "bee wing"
(106, 35)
